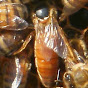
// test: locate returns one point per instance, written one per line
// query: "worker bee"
(13, 68)
(50, 37)
(72, 6)
(76, 74)
(50, 43)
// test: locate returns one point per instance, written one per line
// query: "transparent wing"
(12, 16)
(56, 40)
(52, 36)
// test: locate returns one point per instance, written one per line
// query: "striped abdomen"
(47, 64)
(12, 16)
(15, 72)
(72, 6)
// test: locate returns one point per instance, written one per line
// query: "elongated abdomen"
(47, 64)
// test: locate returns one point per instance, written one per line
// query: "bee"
(72, 6)
(13, 68)
(76, 74)
(50, 43)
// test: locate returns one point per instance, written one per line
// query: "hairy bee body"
(77, 78)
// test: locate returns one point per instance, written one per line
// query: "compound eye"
(42, 12)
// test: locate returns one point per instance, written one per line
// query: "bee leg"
(27, 40)
(62, 17)
(83, 32)
(59, 81)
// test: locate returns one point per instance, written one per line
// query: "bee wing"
(12, 16)
(56, 40)
(52, 36)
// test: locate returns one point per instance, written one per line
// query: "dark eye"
(42, 11)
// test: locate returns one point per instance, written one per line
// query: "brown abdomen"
(46, 61)
(12, 16)
(14, 72)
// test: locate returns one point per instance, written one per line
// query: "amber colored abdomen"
(46, 61)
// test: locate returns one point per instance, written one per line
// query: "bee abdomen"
(12, 16)
(72, 6)
(14, 74)
(8, 81)
(47, 66)
(47, 71)
(8, 74)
